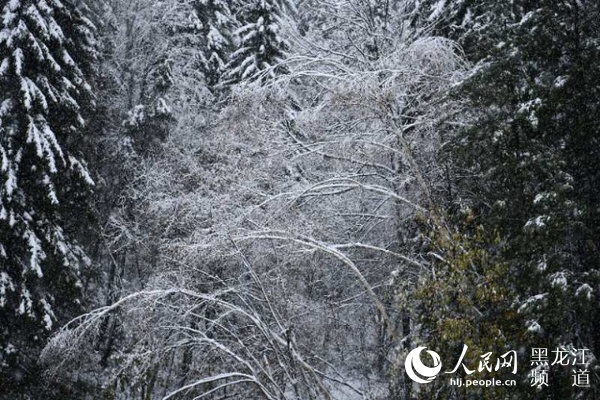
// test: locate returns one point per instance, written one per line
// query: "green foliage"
(467, 299)
(526, 164)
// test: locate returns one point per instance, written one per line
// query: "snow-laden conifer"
(261, 47)
(216, 25)
(46, 47)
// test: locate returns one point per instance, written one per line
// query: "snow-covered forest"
(281, 199)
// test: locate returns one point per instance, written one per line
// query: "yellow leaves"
(455, 329)
(466, 299)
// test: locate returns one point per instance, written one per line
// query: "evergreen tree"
(469, 22)
(148, 122)
(260, 47)
(46, 51)
(216, 24)
(143, 68)
(531, 150)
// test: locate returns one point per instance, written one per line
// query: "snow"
(18, 60)
(48, 314)
(4, 157)
(83, 172)
(37, 254)
(560, 81)
(26, 305)
(4, 67)
(533, 326)
(162, 108)
(13, 5)
(559, 280)
(533, 302)
(537, 223)
(544, 197)
(47, 322)
(6, 283)
(526, 18)
(51, 191)
(55, 31)
(67, 58)
(34, 136)
(436, 10)
(468, 18)
(216, 39)
(497, 136)
(37, 18)
(11, 183)
(584, 290)
(542, 265)
(316, 152)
